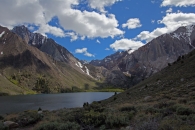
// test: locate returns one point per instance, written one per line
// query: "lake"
(12, 104)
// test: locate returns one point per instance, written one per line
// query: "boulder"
(10, 124)
(147, 98)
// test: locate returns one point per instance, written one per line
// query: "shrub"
(69, 126)
(29, 117)
(59, 126)
(151, 110)
(93, 118)
(150, 124)
(116, 120)
(128, 108)
(184, 111)
(182, 100)
(2, 127)
(1, 117)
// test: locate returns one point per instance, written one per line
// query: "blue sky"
(93, 29)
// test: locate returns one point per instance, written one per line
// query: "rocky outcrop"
(45, 44)
(11, 124)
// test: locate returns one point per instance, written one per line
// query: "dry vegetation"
(165, 101)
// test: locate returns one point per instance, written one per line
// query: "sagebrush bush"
(184, 111)
(150, 124)
(29, 118)
(117, 120)
(59, 126)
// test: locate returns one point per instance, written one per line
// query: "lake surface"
(12, 104)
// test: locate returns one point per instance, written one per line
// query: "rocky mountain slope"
(28, 68)
(153, 56)
(50, 47)
(166, 100)
(59, 53)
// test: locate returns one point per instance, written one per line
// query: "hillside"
(28, 68)
(164, 101)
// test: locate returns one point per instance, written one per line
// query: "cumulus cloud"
(169, 10)
(132, 23)
(40, 13)
(50, 29)
(84, 51)
(178, 3)
(126, 44)
(101, 4)
(172, 21)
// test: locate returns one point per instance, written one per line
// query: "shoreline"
(2, 94)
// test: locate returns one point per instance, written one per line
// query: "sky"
(94, 29)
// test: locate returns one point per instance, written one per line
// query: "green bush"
(59, 126)
(93, 118)
(29, 118)
(117, 120)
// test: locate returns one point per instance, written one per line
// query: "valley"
(156, 82)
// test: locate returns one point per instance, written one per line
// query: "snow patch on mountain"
(80, 65)
(184, 35)
(2, 33)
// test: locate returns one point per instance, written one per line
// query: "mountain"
(24, 68)
(45, 44)
(111, 61)
(49, 46)
(61, 54)
(166, 100)
(153, 56)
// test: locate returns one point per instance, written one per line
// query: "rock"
(129, 128)
(10, 124)
(40, 112)
(147, 98)
(182, 79)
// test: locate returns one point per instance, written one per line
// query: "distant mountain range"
(31, 61)
(153, 56)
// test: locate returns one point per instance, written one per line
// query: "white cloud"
(178, 3)
(132, 23)
(169, 10)
(90, 24)
(107, 49)
(126, 44)
(172, 21)
(50, 29)
(101, 4)
(98, 41)
(81, 50)
(40, 13)
(84, 51)
(152, 21)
